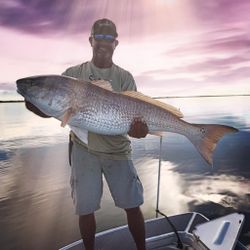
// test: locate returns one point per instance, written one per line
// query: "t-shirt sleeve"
(68, 72)
(129, 82)
(73, 71)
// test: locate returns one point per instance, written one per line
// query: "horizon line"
(199, 96)
(159, 97)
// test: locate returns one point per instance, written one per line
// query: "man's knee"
(133, 210)
(87, 221)
(86, 217)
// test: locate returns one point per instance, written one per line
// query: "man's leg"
(87, 226)
(86, 190)
(127, 191)
(136, 226)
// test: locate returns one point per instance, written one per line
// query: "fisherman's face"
(103, 46)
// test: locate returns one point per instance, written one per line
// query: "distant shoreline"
(161, 97)
(199, 96)
(11, 101)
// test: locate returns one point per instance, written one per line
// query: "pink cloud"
(206, 43)
(214, 65)
(221, 11)
(234, 75)
(201, 42)
(165, 87)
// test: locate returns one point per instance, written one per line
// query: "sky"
(172, 47)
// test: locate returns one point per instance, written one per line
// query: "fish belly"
(110, 113)
(103, 114)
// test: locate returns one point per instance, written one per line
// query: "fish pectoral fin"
(66, 116)
(167, 107)
(157, 133)
(103, 84)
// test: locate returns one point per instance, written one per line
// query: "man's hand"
(138, 128)
(35, 110)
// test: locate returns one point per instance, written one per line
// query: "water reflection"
(171, 185)
(20, 127)
(35, 204)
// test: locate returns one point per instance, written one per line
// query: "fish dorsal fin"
(103, 84)
(150, 100)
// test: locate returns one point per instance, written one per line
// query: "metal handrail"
(159, 179)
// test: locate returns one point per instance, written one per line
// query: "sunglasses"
(108, 38)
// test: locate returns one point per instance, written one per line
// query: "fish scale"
(96, 108)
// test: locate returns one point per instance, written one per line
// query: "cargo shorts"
(87, 170)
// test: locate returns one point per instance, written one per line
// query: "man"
(92, 155)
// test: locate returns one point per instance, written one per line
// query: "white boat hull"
(194, 229)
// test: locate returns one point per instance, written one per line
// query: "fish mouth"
(20, 86)
(24, 81)
(23, 84)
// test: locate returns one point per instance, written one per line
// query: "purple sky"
(172, 47)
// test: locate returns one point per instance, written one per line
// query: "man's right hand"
(35, 110)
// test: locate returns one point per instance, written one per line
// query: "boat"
(188, 231)
(191, 231)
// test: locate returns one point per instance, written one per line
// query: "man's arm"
(35, 110)
(138, 128)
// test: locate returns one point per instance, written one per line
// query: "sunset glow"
(171, 47)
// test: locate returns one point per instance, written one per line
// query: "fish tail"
(205, 141)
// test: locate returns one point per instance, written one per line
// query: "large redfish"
(95, 107)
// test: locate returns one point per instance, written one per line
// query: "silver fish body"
(100, 110)
(110, 113)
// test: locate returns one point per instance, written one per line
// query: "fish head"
(52, 94)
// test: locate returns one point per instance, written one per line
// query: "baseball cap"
(104, 26)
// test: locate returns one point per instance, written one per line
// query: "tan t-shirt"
(113, 147)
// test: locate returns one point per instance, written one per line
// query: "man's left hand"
(138, 128)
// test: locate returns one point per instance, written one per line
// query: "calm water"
(36, 210)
